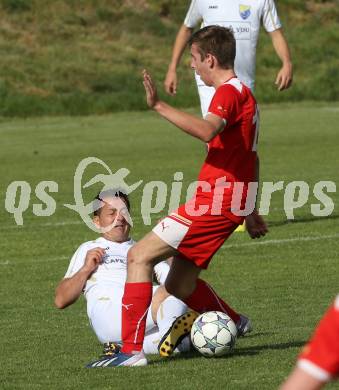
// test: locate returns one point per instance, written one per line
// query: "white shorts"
(104, 313)
(205, 94)
(104, 307)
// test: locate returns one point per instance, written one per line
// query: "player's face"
(114, 213)
(201, 67)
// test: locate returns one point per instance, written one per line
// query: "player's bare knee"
(136, 258)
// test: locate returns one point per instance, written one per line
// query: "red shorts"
(320, 357)
(196, 238)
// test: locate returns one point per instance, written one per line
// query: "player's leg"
(204, 298)
(198, 252)
(152, 340)
(195, 292)
(138, 290)
(159, 295)
(182, 277)
(161, 270)
(167, 309)
(183, 282)
(180, 282)
(104, 313)
(202, 293)
(105, 319)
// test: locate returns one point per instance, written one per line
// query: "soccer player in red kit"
(318, 362)
(194, 232)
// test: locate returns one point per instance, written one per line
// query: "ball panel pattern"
(213, 334)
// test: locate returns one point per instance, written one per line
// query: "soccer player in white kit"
(99, 268)
(243, 18)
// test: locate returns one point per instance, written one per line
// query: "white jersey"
(243, 18)
(105, 288)
(111, 274)
(113, 269)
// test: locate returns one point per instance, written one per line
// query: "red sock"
(135, 303)
(204, 298)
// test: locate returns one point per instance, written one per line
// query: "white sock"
(161, 271)
(152, 340)
(185, 345)
(170, 309)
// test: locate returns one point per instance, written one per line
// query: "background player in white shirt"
(244, 18)
(99, 269)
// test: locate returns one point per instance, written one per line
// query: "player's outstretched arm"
(301, 380)
(285, 74)
(180, 43)
(69, 289)
(204, 129)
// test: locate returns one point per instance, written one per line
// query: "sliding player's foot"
(120, 359)
(113, 357)
(180, 328)
(110, 350)
(244, 326)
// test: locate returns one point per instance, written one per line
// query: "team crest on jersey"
(245, 11)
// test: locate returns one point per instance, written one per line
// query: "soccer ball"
(213, 334)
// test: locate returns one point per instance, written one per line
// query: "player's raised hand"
(255, 225)
(93, 259)
(171, 82)
(284, 77)
(150, 88)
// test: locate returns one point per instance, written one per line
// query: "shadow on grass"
(247, 351)
(258, 348)
(309, 218)
(257, 334)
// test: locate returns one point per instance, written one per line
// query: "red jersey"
(320, 357)
(231, 153)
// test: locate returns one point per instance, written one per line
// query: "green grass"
(84, 57)
(283, 282)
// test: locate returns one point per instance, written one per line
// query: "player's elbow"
(209, 131)
(186, 31)
(207, 136)
(59, 302)
(206, 139)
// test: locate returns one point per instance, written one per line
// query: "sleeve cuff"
(189, 25)
(274, 28)
(213, 113)
(314, 370)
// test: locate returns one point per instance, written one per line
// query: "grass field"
(283, 282)
(84, 57)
